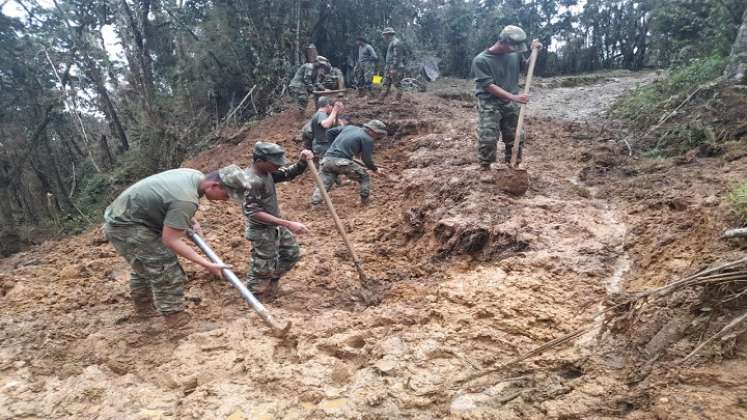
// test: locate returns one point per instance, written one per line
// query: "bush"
(647, 103)
(738, 201)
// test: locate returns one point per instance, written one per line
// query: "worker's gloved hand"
(536, 44)
(217, 269)
(297, 228)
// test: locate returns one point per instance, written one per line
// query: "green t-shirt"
(319, 145)
(501, 70)
(169, 198)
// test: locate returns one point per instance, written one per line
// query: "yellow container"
(377, 79)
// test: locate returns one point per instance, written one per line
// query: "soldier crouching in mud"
(274, 248)
(146, 224)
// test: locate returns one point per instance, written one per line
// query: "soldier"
(274, 248)
(308, 78)
(394, 65)
(364, 67)
(332, 133)
(496, 72)
(146, 224)
(351, 142)
(324, 118)
(334, 80)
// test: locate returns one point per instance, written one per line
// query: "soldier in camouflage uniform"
(394, 67)
(496, 72)
(364, 67)
(323, 119)
(146, 224)
(308, 77)
(351, 142)
(274, 248)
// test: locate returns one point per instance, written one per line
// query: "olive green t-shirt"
(169, 198)
(501, 70)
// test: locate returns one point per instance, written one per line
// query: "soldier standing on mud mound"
(351, 142)
(324, 118)
(394, 65)
(308, 78)
(496, 72)
(274, 248)
(364, 67)
(146, 224)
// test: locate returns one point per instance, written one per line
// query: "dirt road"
(468, 278)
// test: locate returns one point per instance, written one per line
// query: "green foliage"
(647, 103)
(737, 199)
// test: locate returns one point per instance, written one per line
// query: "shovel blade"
(512, 180)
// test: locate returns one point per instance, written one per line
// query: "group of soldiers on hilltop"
(147, 223)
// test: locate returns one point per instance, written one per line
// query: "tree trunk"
(106, 151)
(736, 70)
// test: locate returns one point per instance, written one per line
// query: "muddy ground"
(467, 278)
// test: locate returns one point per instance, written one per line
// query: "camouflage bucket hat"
(514, 36)
(234, 181)
(270, 152)
(388, 31)
(376, 126)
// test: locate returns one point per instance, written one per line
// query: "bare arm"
(295, 227)
(499, 92)
(172, 238)
(332, 118)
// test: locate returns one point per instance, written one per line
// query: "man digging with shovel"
(146, 224)
(496, 72)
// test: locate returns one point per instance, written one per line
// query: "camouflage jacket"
(307, 77)
(395, 54)
(260, 194)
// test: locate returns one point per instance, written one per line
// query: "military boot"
(361, 93)
(398, 98)
(364, 201)
(177, 320)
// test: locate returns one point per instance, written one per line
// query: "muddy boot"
(176, 321)
(140, 313)
(485, 175)
(364, 201)
(361, 93)
(271, 291)
(398, 98)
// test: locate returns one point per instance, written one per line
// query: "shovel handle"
(520, 123)
(338, 223)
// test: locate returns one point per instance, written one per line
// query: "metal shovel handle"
(234, 280)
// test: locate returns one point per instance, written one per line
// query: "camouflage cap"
(514, 36)
(388, 31)
(270, 152)
(376, 126)
(234, 181)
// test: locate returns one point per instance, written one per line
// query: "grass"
(737, 199)
(647, 103)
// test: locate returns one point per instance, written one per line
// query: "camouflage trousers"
(394, 79)
(363, 74)
(274, 253)
(496, 119)
(301, 96)
(156, 278)
(334, 167)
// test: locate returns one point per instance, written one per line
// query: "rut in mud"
(467, 279)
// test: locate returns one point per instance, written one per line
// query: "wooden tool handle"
(520, 123)
(338, 223)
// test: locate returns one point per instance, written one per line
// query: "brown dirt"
(467, 277)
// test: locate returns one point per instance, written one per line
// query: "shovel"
(278, 330)
(514, 180)
(365, 296)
